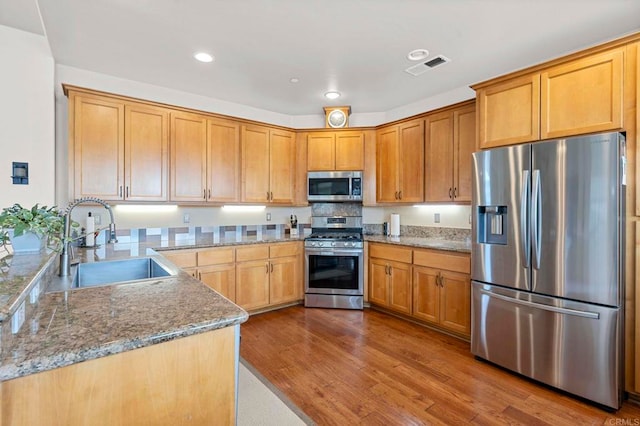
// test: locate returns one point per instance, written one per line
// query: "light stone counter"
(422, 242)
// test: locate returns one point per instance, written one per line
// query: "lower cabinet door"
(400, 287)
(455, 302)
(252, 284)
(285, 280)
(221, 278)
(426, 294)
(378, 282)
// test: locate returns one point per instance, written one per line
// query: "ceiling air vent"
(426, 66)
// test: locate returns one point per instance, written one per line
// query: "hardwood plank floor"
(365, 367)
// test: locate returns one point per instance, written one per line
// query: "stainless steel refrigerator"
(548, 262)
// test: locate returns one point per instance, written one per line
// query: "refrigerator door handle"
(584, 314)
(536, 219)
(524, 235)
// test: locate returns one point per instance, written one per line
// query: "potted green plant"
(31, 229)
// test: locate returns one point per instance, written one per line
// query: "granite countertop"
(423, 242)
(72, 326)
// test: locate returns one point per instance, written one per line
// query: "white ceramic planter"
(28, 242)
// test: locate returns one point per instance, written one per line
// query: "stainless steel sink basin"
(119, 271)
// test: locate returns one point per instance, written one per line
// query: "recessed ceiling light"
(294, 80)
(332, 95)
(203, 57)
(418, 54)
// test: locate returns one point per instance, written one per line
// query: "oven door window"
(329, 186)
(335, 272)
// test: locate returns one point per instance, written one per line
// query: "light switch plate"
(436, 217)
(186, 218)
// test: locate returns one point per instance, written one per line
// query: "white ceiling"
(357, 47)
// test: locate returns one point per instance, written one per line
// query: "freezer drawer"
(569, 345)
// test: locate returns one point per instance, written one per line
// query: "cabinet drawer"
(181, 258)
(284, 250)
(440, 260)
(216, 256)
(390, 252)
(252, 252)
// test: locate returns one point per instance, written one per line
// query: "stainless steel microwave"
(334, 186)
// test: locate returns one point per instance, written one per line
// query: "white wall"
(27, 109)
(451, 216)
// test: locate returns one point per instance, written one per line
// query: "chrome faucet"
(66, 256)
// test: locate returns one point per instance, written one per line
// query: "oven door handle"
(334, 252)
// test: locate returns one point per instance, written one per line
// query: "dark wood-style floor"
(352, 367)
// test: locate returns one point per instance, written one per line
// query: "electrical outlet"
(436, 217)
(35, 292)
(97, 219)
(268, 217)
(186, 218)
(18, 318)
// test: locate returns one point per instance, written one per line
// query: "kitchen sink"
(119, 271)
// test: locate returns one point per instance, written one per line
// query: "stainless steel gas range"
(334, 262)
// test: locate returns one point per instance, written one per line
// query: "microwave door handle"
(524, 235)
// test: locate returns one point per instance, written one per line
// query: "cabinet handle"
(127, 191)
(271, 196)
(267, 266)
(396, 195)
(200, 276)
(120, 191)
(450, 194)
(209, 193)
(400, 195)
(271, 267)
(267, 195)
(455, 192)
(390, 269)
(204, 194)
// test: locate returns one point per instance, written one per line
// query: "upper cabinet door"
(321, 154)
(349, 151)
(281, 166)
(464, 143)
(255, 164)
(439, 155)
(509, 112)
(583, 96)
(223, 160)
(98, 147)
(387, 158)
(188, 157)
(146, 153)
(411, 162)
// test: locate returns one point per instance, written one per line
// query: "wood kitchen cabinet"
(205, 158)
(214, 266)
(390, 277)
(268, 274)
(337, 150)
(254, 276)
(579, 96)
(442, 290)
(582, 96)
(400, 163)
(449, 143)
(155, 383)
(268, 165)
(118, 150)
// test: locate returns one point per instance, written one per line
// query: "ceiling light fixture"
(203, 57)
(294, 80)
(332, 95)
(417, 54)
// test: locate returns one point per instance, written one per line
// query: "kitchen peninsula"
(115, 353)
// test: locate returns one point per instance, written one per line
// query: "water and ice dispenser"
(492, 224)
